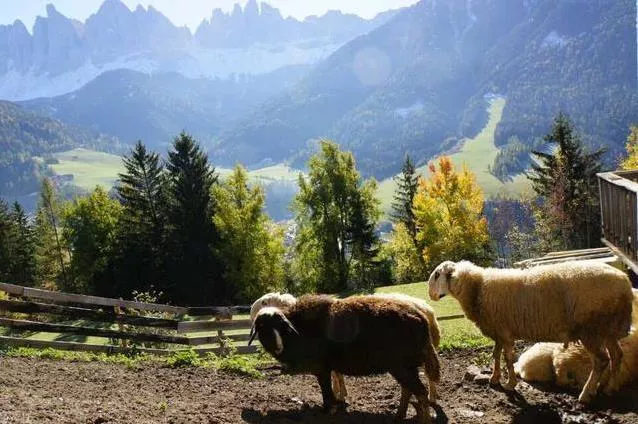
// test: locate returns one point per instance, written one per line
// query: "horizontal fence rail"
(74, 321)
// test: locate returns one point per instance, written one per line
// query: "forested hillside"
(585, 67)
(24, 134)
(419, 84)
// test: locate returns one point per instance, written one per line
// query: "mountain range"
(421, 83)
(415, 81)
(63, 54)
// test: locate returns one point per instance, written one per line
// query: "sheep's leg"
(403, 403)
(509, 362)
(409, 380)
(329, 401)
(599, 363)
(432, 390)
(496, 354)
(610, 379)
(339, 387)
(342, 385)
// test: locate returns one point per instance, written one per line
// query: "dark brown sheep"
(360, 335)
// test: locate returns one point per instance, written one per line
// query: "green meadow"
(478, 155)
(90, 169)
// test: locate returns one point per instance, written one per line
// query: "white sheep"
(577, 301)
(338, 384)
(570, 367)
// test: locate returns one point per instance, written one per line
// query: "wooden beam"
(75, 346)
(191, 326)
(87, 331)
(88, 300)
(92, 314)
(215, 311)
(450, 317)
(619, 180)
(202, 340)
(626, 260)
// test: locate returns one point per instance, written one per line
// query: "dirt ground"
(43, 391)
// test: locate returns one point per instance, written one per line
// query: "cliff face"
(63, 54)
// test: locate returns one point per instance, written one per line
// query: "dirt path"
(42, 391)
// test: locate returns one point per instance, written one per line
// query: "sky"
(191, 12)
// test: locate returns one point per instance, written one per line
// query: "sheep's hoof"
(510, 386)
(585, 398)
(611, 388)
(331, 410)
(495, 380)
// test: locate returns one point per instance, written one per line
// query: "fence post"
(225, 315)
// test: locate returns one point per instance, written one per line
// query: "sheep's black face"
(273, 329)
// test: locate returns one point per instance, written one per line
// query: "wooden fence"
(66, 321)
(619, 210)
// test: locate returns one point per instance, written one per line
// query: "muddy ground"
(43, 391)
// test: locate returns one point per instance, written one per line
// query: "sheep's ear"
(450, 272)
(253, 333)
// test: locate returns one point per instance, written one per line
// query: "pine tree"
(196, 273)
(141, 252)
(23, 269)
(407, 186)
(7, 242)
(566, 180)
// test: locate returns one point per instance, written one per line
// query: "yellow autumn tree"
(631, 161)
(448, 211)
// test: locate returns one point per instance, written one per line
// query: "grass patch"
(455, 334)
(245, 365)
(183, 359)
(478, 155)
(89, 168)
(63, 355)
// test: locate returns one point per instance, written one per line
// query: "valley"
(256, 88)
(86, 169)
(478, 155)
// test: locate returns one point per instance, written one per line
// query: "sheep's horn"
(292, 327)
(253, 333)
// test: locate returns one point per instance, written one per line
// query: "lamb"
(338, 384)
(569, 367)
(578, 301)
(360, 335)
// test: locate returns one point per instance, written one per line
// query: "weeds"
(185, 358)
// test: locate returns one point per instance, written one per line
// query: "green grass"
(455, 334)
(245, 365)
(478, 155)
(89, 168)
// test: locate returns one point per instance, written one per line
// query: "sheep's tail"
(431, 365)
(435, 331)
